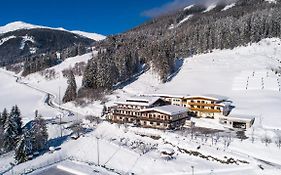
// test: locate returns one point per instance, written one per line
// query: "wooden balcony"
(206, 110)
(148, 119)
(203, 104)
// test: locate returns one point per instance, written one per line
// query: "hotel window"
(151, 123)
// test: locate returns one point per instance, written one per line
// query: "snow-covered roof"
(240, 117)
(206, 96)
(168, 109)
(140, 101)
(169, 151)
(211, 96)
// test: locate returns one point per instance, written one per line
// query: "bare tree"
(278, 140)
(266, 139)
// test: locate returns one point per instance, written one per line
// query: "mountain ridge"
(18, 25)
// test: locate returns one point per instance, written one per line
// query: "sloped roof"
(140, 101)
(168, 109)
(206, 96)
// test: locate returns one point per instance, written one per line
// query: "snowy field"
(123, 150)
(28, 100)
(242, 74)
(257, 80)
(58, 85)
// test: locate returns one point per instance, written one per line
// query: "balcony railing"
(206, 110)
(149, 119)
(203, 104)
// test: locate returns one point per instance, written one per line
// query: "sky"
(99, 16)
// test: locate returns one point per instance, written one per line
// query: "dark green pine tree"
(12, 129)
(39, 133)
(71, 91)
(1, 139)
(17, 118)
(23, 147)
(90, 75)
(4, 117)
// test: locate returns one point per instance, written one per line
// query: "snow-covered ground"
(28, 100)
(210, 7)
(243, 74)
(228, 7)
(124, 150)
(58, 84)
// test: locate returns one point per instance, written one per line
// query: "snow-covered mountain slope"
(244, 74)
(228, 7)
(271, 1)
(94, 36)
(209, 8)
(29, 99)
(52, 85)
(17, 25)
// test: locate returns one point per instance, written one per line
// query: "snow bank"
(228, 7)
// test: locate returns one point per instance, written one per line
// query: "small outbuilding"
(237, 121)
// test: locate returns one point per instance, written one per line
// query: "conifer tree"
(17, 118)
(24, 147)
(39, 133)
(12, 129)
(3, 117)
(71, 91)
(1, 139)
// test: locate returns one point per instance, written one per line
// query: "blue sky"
(100, 16)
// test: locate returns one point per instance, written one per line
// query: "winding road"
(49, 98)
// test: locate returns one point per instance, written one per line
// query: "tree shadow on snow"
(178, 65)
(56, 142)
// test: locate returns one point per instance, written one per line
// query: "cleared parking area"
(53, 170)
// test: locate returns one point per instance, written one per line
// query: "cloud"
(178, 4)
(167, 8)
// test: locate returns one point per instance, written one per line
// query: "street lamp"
(98, 152)
(12, 167)
(192, 169)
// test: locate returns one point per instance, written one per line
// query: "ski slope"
(243, 74)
